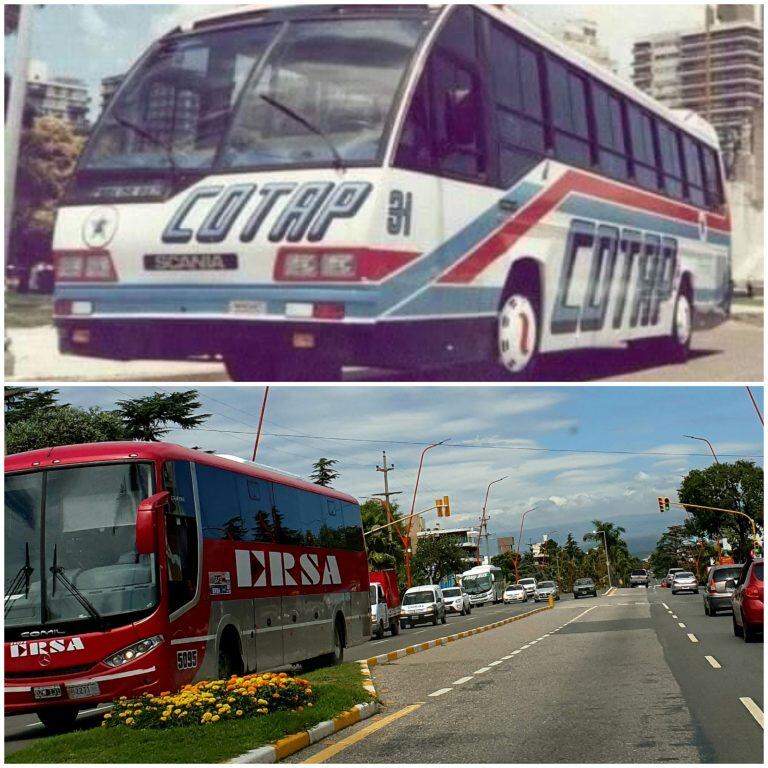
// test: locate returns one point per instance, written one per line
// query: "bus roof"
(93, 453)
(690, 122)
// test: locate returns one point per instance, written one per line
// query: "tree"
(324, 473)
(150, 418)
(385, 547)
(737, 486)
(63, 426)
(436, 558)
(48, 152)
(21, 403)
(505, 561)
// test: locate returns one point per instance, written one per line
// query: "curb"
(386, 658)
(289, 745)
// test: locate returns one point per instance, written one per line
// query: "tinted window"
(609, 123)
(671, 162)
(517, 98)
(757, 571)
(693, 171)
(220, 504)
(288, 516)
(568, 103)
(177, 477)
(255, 498)
(712, 180)
(723, 574)
(643, 147)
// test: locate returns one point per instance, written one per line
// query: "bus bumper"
(378, 344)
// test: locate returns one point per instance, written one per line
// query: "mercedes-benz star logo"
(100, 227)
(44, 660)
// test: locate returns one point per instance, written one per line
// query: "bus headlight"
(133, 652)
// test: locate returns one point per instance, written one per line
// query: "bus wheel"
(682, 328)
(518, 335)
(337, 656)
(230, 661)
(58, 719)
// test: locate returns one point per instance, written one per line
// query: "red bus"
(141, 567)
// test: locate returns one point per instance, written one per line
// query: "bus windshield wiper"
(22, 577)
(58, 573)
(338, 160)
(139, 131)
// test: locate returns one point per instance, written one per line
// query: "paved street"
(609, 680)
(731, 352)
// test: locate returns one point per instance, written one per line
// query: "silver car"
(684, 581)
(544, 589)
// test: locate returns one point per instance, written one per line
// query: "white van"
(422, 604)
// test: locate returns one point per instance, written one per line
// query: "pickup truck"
(385, 603)
(639, 578)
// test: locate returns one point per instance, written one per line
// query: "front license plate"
(83, 690)
(46, 692)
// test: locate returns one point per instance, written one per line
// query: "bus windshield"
(263, 96)
(83, 521)
(474, 585)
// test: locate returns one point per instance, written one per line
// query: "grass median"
(336, 690)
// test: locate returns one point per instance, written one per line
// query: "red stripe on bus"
(503, 239)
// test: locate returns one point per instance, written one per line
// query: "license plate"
(46, 692)
(83, 690)
(248, 308)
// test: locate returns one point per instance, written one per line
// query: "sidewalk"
(36, 358)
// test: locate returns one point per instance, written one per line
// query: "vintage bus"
(293, 190)
(484, 584)
(140, 567)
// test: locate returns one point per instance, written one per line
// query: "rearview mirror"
(145, 521)
(730, 584)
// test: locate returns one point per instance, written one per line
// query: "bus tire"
(230, 659)
(58, 719)
(519, 322)
(679, 343)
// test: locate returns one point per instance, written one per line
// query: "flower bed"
(211, 702)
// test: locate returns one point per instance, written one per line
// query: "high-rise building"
(582, 36)
(715, 71)
(66, 98)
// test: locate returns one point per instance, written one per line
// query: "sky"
(94, 41)
(610, 451)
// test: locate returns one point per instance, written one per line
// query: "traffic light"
(439, 505)
(447, 506)
(664, 504)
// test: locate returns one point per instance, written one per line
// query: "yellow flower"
(130, 721)
(163, 719)
(107, 716)
(136, 711)
(239, 713)
(263, 702)
(103, 725)
(215, 719)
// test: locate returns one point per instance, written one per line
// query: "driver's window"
(181, 544)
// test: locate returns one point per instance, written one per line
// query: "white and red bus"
(293, 190)
(140, 567)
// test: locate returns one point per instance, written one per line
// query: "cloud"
(93, 25)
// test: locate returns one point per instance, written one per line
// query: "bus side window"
(180, 536)
(643, 148)
(609, 122)
(415, 149)
(220, 504)
(568, 104)
(256, 508)
(713, 183)
(693, 171)
(286, 514)
(333, 535)
(671, 161)
(353, 527)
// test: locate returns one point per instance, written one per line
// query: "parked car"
(747, 601)
(639, 578)
(545, 589)
(584, 588)
(515, 593)
(457, 601)
(422, 604)
(684, 581)
(529, 584)
(717, 596)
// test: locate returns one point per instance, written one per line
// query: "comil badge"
(100, 227)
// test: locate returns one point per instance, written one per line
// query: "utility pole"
(386, 469)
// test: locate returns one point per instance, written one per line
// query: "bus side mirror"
(145, 522)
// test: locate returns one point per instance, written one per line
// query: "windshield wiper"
(338, 160)
(58, 573)
(139, 131)
(22, 576)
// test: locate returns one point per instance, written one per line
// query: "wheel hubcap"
(683, 322)
(518, 333)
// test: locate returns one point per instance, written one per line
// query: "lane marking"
(693, 638)
(713, 662)
(329, 752)
(482, 670)
(665, 605)
(514, 653)
(462, 680)
(753, 710)
(525, 646)
(673, 615)
(441, 692)
(681, 625)
(669, 611)
(506, 658)
(496, 663)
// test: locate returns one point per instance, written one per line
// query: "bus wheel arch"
(519, 324)
(230, 653)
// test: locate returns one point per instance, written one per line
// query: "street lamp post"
(704, 440)
(607, 561)
(484, 521)
(522, 520)
(413, 506)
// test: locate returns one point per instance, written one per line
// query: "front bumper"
(719, 601)
(414, 618)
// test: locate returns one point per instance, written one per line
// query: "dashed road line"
(525, 646)
(495, 663)
(674, 616)
(753, 710)
(462, 680)
(681, 625)
(514, 653)
(665, 605)
(441, 692)
(693, 638)
(713, 662)
(482, 670)
(507, 658)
